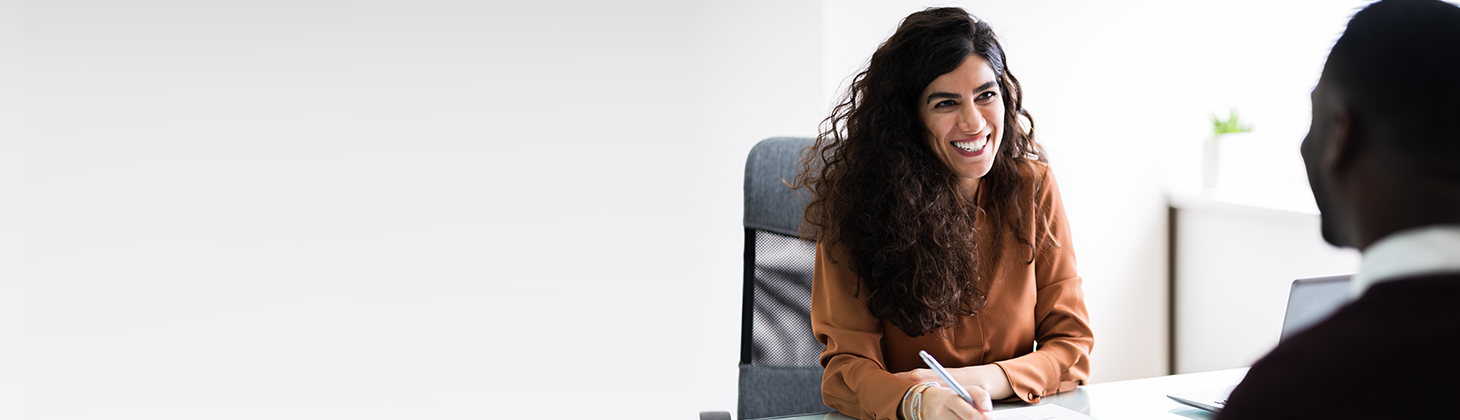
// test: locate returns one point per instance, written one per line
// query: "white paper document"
(1039, 412)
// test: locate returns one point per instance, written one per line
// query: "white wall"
(385, 209)
(435, 209)
(11, 298)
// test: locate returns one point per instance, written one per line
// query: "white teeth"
(972, 146)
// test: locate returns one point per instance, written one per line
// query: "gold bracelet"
(906, 405)
(917, 400)
(907, 402)
(917, 405)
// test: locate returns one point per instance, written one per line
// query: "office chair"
(780, 371)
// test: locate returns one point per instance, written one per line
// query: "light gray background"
(458, 209)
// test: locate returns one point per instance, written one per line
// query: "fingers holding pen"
(942, 403)
(956, 401)
(981, 399)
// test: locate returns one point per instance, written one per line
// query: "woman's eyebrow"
(946, 95)
(943, 95)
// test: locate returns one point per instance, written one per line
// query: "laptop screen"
(1313, 300)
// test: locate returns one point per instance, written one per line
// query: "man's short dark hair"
(1398, 65)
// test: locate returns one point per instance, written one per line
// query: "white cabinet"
(1232, 266)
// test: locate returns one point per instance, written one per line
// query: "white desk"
(1134, 399)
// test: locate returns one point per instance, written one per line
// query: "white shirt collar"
(1422, 250)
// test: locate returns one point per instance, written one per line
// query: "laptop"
(1309, 301)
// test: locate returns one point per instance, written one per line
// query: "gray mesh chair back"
(780, 373)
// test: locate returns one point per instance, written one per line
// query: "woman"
(940, 228)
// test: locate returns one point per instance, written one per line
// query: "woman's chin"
(974, 173)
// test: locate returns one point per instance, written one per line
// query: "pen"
(943, 373)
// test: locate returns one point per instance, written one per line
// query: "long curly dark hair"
(881, 194)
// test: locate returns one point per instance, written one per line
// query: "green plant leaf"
(1231, 125)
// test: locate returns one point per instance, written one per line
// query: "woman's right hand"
(942, 403)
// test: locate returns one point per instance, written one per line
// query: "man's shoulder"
(1420, 307)
(1438, 286)
(1391, 349)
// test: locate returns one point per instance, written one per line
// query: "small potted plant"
(1212, 149)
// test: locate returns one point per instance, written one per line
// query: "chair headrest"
(770, 203)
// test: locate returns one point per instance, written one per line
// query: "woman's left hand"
(990, 377)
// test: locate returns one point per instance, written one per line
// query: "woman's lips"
(972, 146)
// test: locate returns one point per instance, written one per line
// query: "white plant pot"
(1214, 164)
(1211, 153)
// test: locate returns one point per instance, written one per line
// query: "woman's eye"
(944, 104)
(987, 95)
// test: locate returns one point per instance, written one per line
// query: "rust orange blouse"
(1027, 303)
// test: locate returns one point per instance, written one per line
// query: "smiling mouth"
(972, 146)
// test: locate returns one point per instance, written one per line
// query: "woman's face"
(965, 117)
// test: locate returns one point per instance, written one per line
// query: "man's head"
(1383, 151)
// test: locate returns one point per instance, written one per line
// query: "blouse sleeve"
(1062, 327)
(855, 382)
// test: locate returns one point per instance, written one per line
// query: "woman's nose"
(970, 121)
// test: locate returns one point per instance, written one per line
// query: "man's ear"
(1342, 146)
